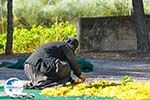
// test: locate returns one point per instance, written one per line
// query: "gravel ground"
(117, 69)
(104, 69)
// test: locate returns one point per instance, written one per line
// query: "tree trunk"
(9, 42)
(140, 24)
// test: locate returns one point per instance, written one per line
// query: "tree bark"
(9, 43)
(141, 31)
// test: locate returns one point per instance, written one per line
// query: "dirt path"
(104, 69)
(117, 69)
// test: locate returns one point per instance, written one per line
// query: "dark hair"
(72, 42)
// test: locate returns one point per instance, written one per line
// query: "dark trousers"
(41, 80)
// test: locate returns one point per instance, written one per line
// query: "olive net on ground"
(85, 65)
(40, 97)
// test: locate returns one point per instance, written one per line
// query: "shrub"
(27, 40)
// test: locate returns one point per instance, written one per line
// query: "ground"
(107, 66)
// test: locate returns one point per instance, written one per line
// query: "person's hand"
(81, 79)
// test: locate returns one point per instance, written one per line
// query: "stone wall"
(107, 33)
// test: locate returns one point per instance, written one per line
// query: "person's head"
(72, 42)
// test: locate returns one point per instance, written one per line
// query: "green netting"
(85, 65)
(39, 97)
(17, 65)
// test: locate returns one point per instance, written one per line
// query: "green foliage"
(146, 6)
(2, 42)
(3, 16)
(126, 79)
(27, 11)
(26, 40)
(45, 12)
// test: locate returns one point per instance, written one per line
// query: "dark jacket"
(58, 50)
